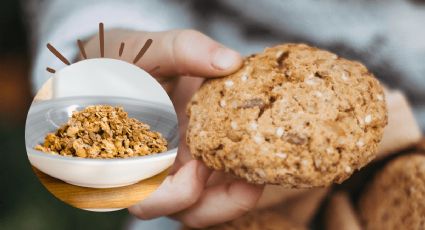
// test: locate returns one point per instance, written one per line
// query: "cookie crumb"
(228, 83)
(304, 162)
(329, 150)
(380, 97)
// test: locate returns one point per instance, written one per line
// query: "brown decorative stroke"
(121, 49)
(57, 54)
(101, 40)
(82, 51)
(50, 70)
(142, 51)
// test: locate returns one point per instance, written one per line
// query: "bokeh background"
(395, 55)
(24, 202)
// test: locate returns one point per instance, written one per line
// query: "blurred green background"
(24, 202)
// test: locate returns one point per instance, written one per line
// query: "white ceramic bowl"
(47, 116)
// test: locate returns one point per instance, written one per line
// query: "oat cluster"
(103, 131)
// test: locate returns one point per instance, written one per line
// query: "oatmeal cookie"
(396, 197)
(258, 220)
(103, 131)
(293, 115)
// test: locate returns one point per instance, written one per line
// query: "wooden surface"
(105, 198)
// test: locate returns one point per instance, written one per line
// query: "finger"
(184, 52)
(185, 88)
(176, 193)
(221, 203)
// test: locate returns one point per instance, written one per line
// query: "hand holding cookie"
(293, 115)
(192, 193)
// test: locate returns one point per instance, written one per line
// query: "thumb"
(185, 52)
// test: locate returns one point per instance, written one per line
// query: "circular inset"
(101, 134)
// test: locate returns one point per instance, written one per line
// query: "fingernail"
(202, 171)
(224, 58)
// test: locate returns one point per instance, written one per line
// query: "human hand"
(192, 193)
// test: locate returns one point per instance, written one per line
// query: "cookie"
(293, 115)
(396, 197)
(258, 220)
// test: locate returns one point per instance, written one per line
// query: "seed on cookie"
(253, 125)
(348, 169)
(310, 80)
(318, 94)
(222, 103)
(279, 131)
(258, 138)
(317, 163)
(244, 77)
(229, 83)
(234, 125)
(203, 133)
(344, 76)
(360, 143)
(329, 150)
(368, 119)
(282, 155)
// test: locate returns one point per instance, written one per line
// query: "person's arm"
(62, 22)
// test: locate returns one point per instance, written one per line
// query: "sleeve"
(62, 22)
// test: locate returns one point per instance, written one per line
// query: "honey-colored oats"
(103, 131)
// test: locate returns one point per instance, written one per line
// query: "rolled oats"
(103, 131)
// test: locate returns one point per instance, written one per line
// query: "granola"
(103, 131)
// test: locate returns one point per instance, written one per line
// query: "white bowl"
(47, 116)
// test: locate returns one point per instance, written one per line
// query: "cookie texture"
(293, 115)
(258, 220)
(396, 197)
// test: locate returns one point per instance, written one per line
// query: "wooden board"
(104, 198)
